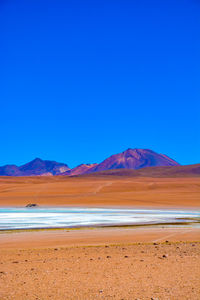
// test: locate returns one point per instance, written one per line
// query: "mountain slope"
(42, 167)
(35, 167)
(81, 169)
(134, 159)
(9, 170)
(157, 172)
(129, 159)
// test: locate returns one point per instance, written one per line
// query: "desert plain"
(100, 191)
(133, 262)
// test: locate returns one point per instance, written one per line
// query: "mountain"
(129, 159)
(9, 170)
(171, 171)
(35, 167)
(43, 167)
(81, 169)
(134, 159)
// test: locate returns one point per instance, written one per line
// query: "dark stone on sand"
(31, 205)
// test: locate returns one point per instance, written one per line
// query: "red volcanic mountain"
(81, 169)
(35, 167)
(134, 159)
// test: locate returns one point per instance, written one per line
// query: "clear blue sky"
(81, 80)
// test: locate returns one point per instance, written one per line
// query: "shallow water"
(27, 218)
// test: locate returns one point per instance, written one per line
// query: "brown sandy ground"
(96, 236)
(100, 191)
(141, 271)
(101, 263)
(77, 264)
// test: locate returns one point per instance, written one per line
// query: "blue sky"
(81, 80)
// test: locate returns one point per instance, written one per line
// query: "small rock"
(108, 256)
(31, 205)
(126, 256)
(165, 256)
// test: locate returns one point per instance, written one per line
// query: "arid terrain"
(100, 191)
(144, 262)
(138, 271)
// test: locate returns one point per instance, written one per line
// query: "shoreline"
(101, 226)
(106, 205)
(49, 238)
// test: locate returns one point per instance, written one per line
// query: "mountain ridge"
(134, 159)
(36, 167)
(157, 172)
(80, 169)
(129, 159)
